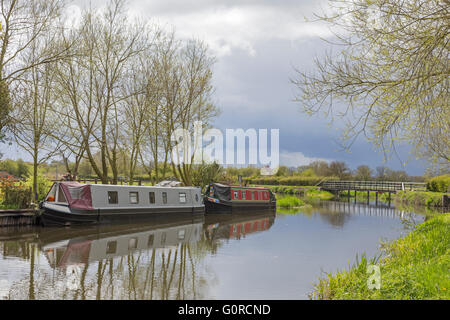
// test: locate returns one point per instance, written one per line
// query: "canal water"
(260, 255)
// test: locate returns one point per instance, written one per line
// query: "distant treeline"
(308, 175)
(303, 175)
(316, 171)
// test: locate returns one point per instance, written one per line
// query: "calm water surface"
(239, 256)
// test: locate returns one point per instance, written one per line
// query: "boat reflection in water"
(79, 246)
(237, 225)
(165, 258)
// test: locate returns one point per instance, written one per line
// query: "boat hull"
(212, 207)
(52, 217)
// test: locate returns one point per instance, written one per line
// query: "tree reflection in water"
(172, 259)
(157, 263)
(157, 274)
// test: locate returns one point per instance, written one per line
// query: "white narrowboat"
(69, 203)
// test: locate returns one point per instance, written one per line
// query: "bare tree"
(339, 169)
(391, 74)
(22, 23)
(191, 98)
(92, 82)
(31, 119)
(363, 172)
(137, 112)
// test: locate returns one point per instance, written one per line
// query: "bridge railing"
(387, 186)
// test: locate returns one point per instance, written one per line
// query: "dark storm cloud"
(257, 45)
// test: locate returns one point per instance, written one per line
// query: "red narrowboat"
(228, 199)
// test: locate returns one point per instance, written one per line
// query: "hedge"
(439, 184)
(288, 181)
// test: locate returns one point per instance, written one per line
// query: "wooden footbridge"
(376, 186)
(371, 186)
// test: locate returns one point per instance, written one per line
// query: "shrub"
(439, 184)
(419, 198)
(43, 185)
(16, 195)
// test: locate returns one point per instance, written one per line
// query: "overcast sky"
(257, 44)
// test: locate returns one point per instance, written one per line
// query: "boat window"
(243, 195)
(111, 247)
(164, 196)
(152, 197)
(196, 197)
(75, 192)
(236, 196)
(132, 243)
(163, 238)
(181, 234)
(51, 194)
(134, 197)
(61, 196)
(182, 197)
(151, 238)
(112, 197)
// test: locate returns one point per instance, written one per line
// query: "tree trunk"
(35, 174)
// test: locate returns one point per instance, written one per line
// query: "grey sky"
(257, 43)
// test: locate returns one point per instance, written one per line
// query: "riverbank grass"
(290, 202)
(414, 267)
(309, 192)
(419, 198)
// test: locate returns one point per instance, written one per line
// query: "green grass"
(414, 267)
(290, 202)
(421, 198)
(307, 191)
(319, 194)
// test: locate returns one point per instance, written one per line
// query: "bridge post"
(376, 198)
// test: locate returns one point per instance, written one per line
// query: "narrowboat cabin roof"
(246, 187)
(96, 202)
(88, 196)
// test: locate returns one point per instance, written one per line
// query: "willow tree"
(31, 120)
(178, 93)
(22, 24)
(188, 98)
(91, 81)
(390, 77)
(5, 105)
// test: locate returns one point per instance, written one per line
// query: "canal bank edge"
(413, 267)
(427, 199)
